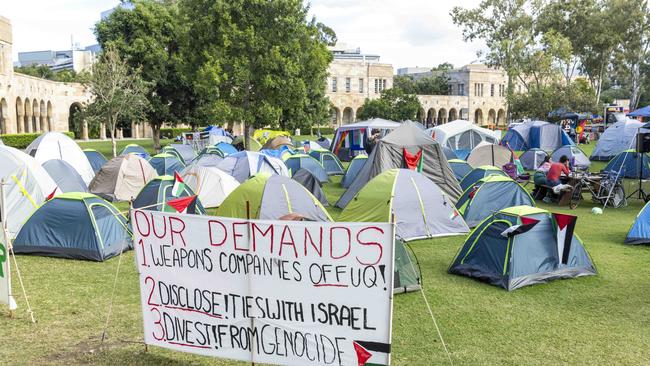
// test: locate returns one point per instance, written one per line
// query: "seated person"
(540, 174)
(556, 170)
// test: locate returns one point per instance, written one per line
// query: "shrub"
(22, 140)
(170, 133)
(323, 130)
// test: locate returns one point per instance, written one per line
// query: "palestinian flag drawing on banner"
(565, 226)
(179, 185)
(413, 161)
(526, 224)
(181, 205)
(372, 353)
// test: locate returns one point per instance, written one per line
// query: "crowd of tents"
(448, 180)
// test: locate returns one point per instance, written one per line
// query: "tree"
(393, 104)
(259, 62)
(538, 101)
(118, 92)
(150, 38)
(436, 84)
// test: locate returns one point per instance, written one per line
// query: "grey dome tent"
(95, 158)
(245, 164)
(577, 158)
(166, 164)
(207, 160)
(122, 178)
(420, 208)
(532, 158)
(303, 161)
(324, 142)
(617, 138)
(353, 169)
(186, 152)
(400, 149)
(490, 195)
(135, 149)
(65, 176)
(521, 246)
(490, 154)
(309, 181)
(158, 192)
(329, 161)
(460, 168)
(75, 225)
(479, 173)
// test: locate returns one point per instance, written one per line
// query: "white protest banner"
(5, 273)
(276, 292)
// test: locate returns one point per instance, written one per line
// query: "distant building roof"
(340, 51)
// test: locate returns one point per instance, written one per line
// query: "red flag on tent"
(51, 195)
(181, 205)
(412, 161)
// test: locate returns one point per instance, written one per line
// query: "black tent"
(309, 181)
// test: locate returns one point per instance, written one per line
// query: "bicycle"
(606, 189)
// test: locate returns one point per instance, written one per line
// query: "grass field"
(598, 320)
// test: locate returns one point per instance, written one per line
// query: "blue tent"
(217, 131)
(521, 246)
(166, 164)
(226, 148)
(95, 158)
(490, 195)
(353, 169)
(536, 134)
(75, 225)
(460, 168)
(184, 153)
(449, 153)
(65, 176)
(479, 173)
(135, 149)
(303, 161)
(640, 231)
(532, 158)
(630, 164)
(641, 112)
(329, 161)
(158, 191)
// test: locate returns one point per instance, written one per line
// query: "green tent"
(270, 197)
(406, 277)
(251, 144)
(159, 191)
(171, 150)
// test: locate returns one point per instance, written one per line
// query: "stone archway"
(4, 116)
(478, 116)
(36, 116)
(335, 116)
(348, 115)
(420, 117)
(75, 109)
(27, 121)
(492, 117)
(501, 118)
(49, 116)
(442, 116)
(43, 113)
(431, 117)
(453, 114)
(20, 113)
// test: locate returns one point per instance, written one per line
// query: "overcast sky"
(402, 32)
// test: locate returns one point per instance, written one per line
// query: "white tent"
(26, 186)
(55, 145)
(463, 135)
(212, 185)
(279, 166)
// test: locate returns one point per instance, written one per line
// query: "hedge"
(22, 140)
(323, 130)
(170, 133)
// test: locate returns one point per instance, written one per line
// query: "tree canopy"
(393, 104)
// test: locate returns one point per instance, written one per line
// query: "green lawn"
(587, 321)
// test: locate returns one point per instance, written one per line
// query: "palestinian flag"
(526, 224)
(565, 226)
(181, 205)
(412, 161)
(371, 353)
(179, 185)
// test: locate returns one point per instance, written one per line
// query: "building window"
(478, 89)
(491, 90)
(502, 90)
(360, 85)
(348, 85)
(334, 84)
(461, 89)
(380, 85)
(384, 84)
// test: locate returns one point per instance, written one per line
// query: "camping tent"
(406, 269)
(65, 176)
(641, 112)
(166, 164)
(328, 160)
(521, 246)
(490, 155)
(309, 181)
(324, 142)
(122, 178)
(303, 161)
(251, 144)
(135, 149)
(531, 159)
(185, 153)
(95, 158)
(27, 185)
(577, 158)
(406, 146)
(263, 135)
(245, 164)
(490, 195)
(77, 226)
(617, 138)
(421, 209)
(639, 233)
(349, 140)
(353, 170)
(462, 136)
(211, 184)
(217, 134)
(449, 153)
(270, 197)
(536, 134)
(479, 173)
(158, 192)
(278, 142)
(460, 168)
(55, 145)
(630, 164)
(210, 150)
(207, 160)
(226, 148)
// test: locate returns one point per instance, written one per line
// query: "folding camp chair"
(511, 170)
